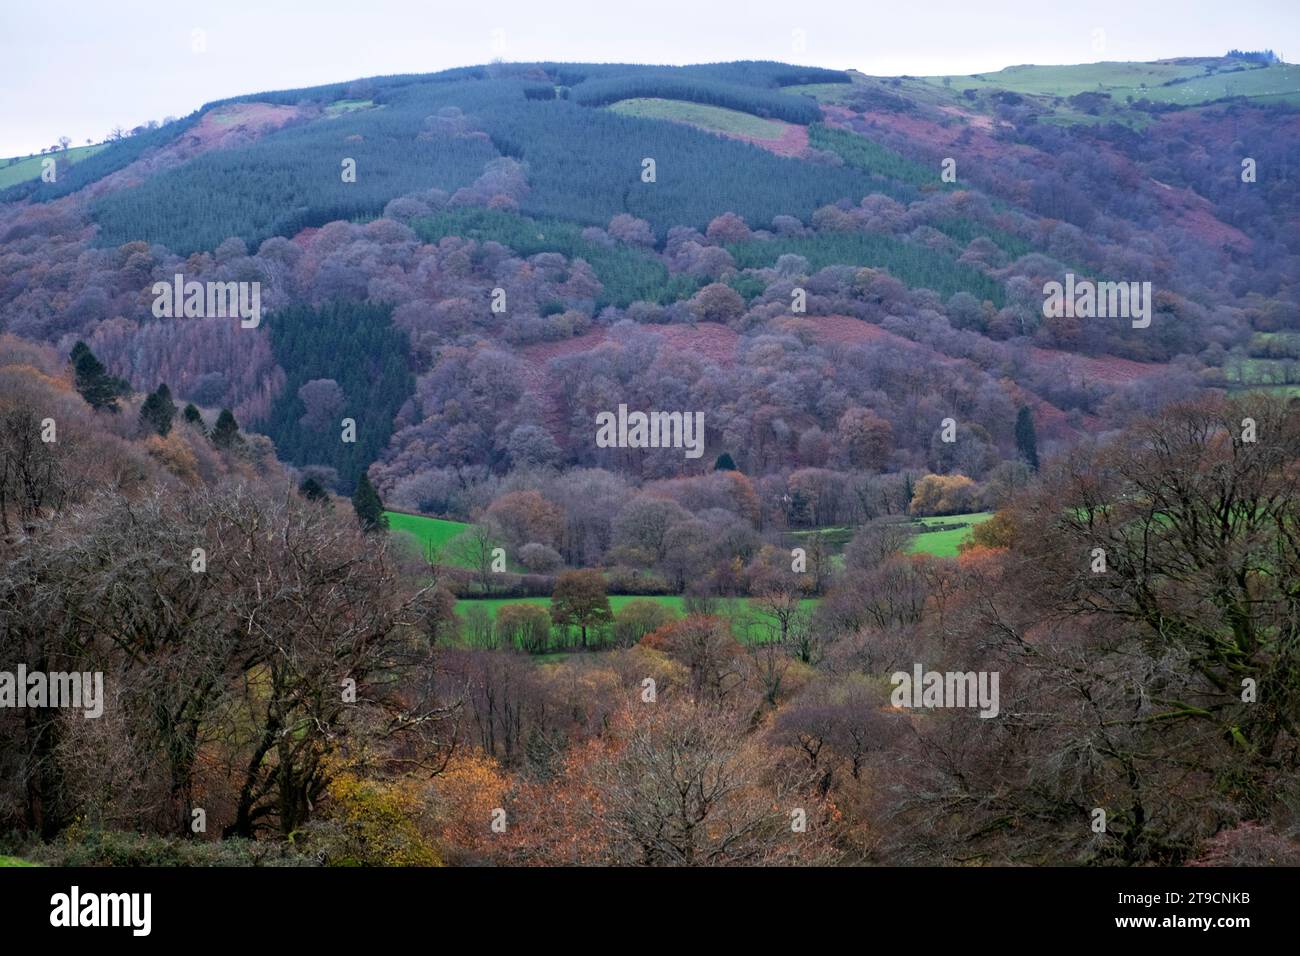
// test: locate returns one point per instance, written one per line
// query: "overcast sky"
(80, 67)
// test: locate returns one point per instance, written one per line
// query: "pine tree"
(193, 417)
(312, 490)
(1026, 436)
(158, 410)
(369, 509)
(725, 462)
(97, 387)
(225, 433)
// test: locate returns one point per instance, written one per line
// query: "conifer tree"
(369, 509)
(97, 387)
(193, 417)
(312, 490)
(158, 410)
(1026, 436)
(225, 433)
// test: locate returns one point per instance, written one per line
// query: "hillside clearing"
(19, 170)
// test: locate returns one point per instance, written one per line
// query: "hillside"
(535, 180)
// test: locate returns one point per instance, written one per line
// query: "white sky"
(80, 67)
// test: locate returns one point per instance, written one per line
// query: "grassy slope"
(1280, 81)
(30, 167)
(339, 107)
(425, 530)
(699, 114)
(943, 544)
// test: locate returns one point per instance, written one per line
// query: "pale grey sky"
(80, 67)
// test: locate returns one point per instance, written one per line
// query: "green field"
(716, 118)
(824, 92)
(13, 861)
(749, 625)
(943, 544)
(30, 166)
(339, 107)
(1141, 80)
(1253, 372)
(730, 606)
(426, 531)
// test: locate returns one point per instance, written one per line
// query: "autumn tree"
(866, 439)
(579, 600)
(704, 644)
(1144, 627)
(717, 302)
(942, 495)
(689, 787)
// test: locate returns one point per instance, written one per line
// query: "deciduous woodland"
(364, 587)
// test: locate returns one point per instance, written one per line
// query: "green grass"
(13, 861)
(616, 602)
(944, 544)
(426, 531)
(824, 92)
(1151, 81)
(30, 167)
(1279, 391)
(716, 118)
(339, 107)
(1251, 372)
(732, 608)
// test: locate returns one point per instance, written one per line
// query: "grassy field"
(1251, 372)
(823, 92)
(943, 543)
(675, 602)
(339, 107)
(715, 118)
(427, 531)
(13, 861)
(30, 167)
(749, 625)
(1140, 80)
